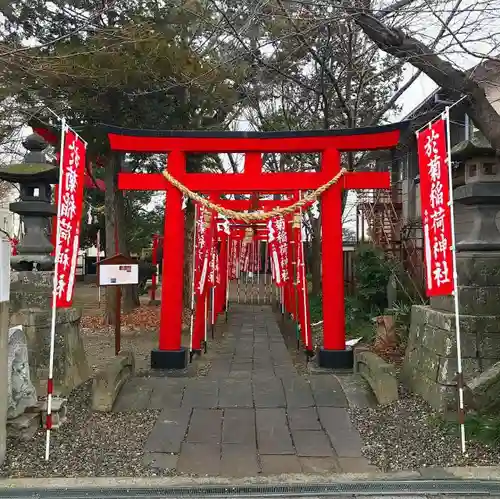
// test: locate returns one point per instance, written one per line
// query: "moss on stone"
(27, 168)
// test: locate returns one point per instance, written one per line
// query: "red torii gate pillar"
(171, 354)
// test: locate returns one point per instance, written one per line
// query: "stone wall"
(70, 364)
(31, 294)
(430, 365)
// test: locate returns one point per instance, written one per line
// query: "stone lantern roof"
(475, 147)
(479, 160)
(34, 176)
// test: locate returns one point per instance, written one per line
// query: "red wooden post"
(333, 270)
(171, 354)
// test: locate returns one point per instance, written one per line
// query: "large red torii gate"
(329, 143)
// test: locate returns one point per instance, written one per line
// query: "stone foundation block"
(70, 363)
(430, 367)
(473, 300)
(380, 375)
(478, 268)
(25, 426)
(109, 381)
(481, 393)
(58, 411)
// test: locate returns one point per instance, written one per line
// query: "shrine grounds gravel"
(88, 444)
(407, 435)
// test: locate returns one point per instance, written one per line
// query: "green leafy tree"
(135, 65)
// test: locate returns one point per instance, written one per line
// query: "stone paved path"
(252, 413)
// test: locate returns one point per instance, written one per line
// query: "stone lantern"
(34, 176)
(478, 200)
(31, 281)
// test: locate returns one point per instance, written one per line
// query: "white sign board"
(118, 275)
(5, 250)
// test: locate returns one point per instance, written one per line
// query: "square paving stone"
(200, 459)
(268, 392)
(327, 391)
(168, 431)
(297, 392)
(134, 396)
(205, 426)
(276, 465)
(235, 393)
(158, 460)
(242, 375)
(319, 464)
(303, 418)
(165, 399)
(344, 437)
(312, 443)
(356, 465)
(201, 393)
(273, 436)
(285, 372)
(238, 426)
(239, 460)
(241, 366)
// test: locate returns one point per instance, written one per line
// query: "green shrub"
(316, 308)
(478, 427)
(371, 275)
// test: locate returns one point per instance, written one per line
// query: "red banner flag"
(303, 298)
(278, 249)
(69, 215)
(233, 258)
(205, 226)
(435, 206)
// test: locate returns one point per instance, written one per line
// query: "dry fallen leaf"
(143, 317)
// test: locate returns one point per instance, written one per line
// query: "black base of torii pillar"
(169, 359)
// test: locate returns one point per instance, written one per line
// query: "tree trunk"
(396, 42)
(316, 256)
(110, 181)
(116, 239)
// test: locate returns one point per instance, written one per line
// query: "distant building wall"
(9, 222)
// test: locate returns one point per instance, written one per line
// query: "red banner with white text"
(205, 232)
(435, 206)
(69, 215)
(278, 250)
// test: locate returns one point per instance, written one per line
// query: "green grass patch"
(357, 321)
(478, 427)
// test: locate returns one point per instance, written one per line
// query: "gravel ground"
(406, 435)
(99, 345)
(88, 444)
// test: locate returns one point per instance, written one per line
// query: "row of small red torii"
(239, 253)
(329, 143)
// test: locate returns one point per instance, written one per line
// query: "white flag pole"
(229, 246)
(302, 271)
(50, 382)
(98, 260)
(460, 380)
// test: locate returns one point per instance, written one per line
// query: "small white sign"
(118, 275)
(5, 250)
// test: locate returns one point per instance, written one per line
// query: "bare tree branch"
(396, 42)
